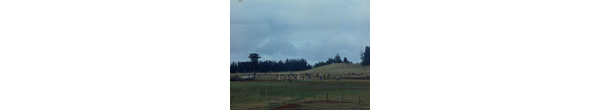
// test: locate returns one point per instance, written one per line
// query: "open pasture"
(259, 95)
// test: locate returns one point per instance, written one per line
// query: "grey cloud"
(314, 30)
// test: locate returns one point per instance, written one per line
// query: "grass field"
(259, 95)
(342, 69)
(339, 68)
(251, 94)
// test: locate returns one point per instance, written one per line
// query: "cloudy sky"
(313, 29)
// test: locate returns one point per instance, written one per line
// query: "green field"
(269, 94)
(339, 68)
(342, 69)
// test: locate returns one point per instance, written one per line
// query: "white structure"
(247, 77)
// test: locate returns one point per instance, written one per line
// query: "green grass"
(244, 95)
(339, 68)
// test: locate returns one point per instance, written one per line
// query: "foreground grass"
(251, 94)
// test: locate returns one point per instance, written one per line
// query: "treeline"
(270, 66)
(336, 59)
(364, 56)
(290, 64)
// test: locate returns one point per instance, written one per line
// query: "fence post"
(302, 95)
(292, 94)
(281, 92)
(314, 97)
(266, 91)
(327, 97)
(342, 97)
(358, 99)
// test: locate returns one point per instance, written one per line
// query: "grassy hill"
(339, 68)
(331, 68)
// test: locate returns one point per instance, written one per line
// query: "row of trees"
(254, 65)
(270, 66)
(336, 59)
(365, 56)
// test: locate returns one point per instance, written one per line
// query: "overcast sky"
(291, 29)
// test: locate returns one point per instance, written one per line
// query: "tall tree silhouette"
(366, 57)
(337, 58)
(232, 67)
(345, 60)
(254, 58)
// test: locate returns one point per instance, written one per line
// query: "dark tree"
(254, 58)
(338, 59)
(330, 61)
(345, 60)
(232, 68)
(365, 57)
